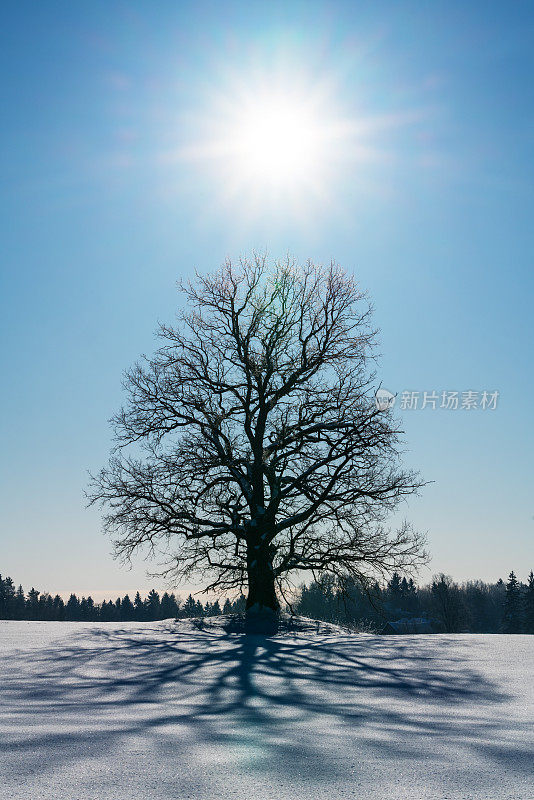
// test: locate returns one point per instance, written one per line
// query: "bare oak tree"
(251, 445)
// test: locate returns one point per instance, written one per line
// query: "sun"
(274, 146)
(283, 145)
(278, 142)
(268, 146)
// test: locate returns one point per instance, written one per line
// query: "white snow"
(135, 711)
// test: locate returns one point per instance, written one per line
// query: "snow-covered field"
(135, 711)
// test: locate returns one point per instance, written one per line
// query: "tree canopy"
(251, 446)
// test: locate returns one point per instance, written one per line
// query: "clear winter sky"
(119, 177)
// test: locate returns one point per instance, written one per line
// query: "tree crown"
(251, 440)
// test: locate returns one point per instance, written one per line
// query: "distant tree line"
(449, 607)
(35, 605)
(471, 607)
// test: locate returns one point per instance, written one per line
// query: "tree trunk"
(261, 589)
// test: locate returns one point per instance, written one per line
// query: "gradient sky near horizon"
(119, 178)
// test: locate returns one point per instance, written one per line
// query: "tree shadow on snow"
(287, 704)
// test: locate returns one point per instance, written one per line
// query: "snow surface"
(134, 711)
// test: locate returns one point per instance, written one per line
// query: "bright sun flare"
(281, 143)
(278, 143)
(271, 146)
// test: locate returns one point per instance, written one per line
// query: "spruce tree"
(395, 590)
(72, 608)
(32, 604)
(153, 606)
(175, 603)
(239, 605)
(20, 603)
(84, 610)
(139, 608)
(528, 607)
(168, 607)
(127, 609)
(7, 598)
(189, 607)
(412, 600)
(59, 608)
(46, 607)
(216, 609)
(512, 618)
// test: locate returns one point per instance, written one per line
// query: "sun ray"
(283, 145)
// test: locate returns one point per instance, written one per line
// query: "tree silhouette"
(127, 609)
(395, 589)
(251, 441)
(7, 598)
(168, 606)
(447, 603)
(512, 622)
(139, 608)
(32, 603)
(19, 603)
(152, 605)
(529, 604)
(189, 607)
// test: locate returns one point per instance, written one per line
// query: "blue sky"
(103, 210)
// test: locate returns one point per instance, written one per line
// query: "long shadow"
(269, 703)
